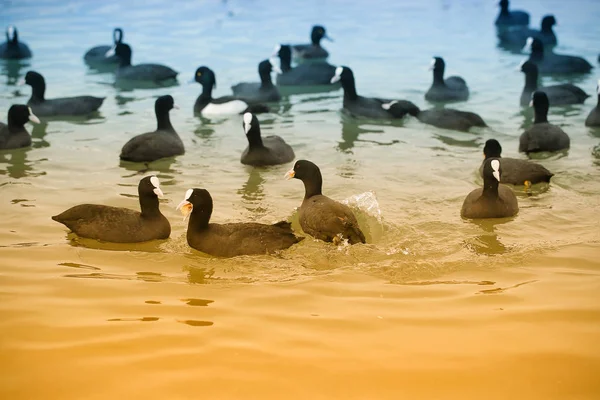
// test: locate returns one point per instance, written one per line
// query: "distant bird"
(543, 136)
(593, 119)
(226, 105)
(263, 91)
(508, 18)
(516, 38)
(370, 107)
(161, 143)
(549, 62)
(492, 200)
(321, 217)
(117, 224)
(63, 106)
(97, 54)
(231, 239)
(13, 49)
(156, 73)
(562, 94)
(13, 134)
(453, 88)
(305, 74)
(268, 150)
(313, 49)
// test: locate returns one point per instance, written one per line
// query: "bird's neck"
(312, 188)
(149, 206)
(199, 219)
(38, 91)
(490, 188)
(531, 81)
(349, 87)
(163, 121)
(265, 79)
(438, 77)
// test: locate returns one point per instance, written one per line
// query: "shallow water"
(432, 307)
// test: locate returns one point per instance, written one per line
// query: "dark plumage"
(208, 106)
(370, 107)
(320, 216)
(161, 143)
(542, 136)
(518, 37)
(120, 225)
(306, 74)
(263, 91)
(269, 150)
(508, 18)
(63, 106)
(493, 200)
(549, 62)
(514, 170)
(565, 93)
(234, 239)
(453, 88)
(14, 135)
(313, 49)
(593, 119)
(13, 49)
(448, 118)
(97, 54)
(141, 72)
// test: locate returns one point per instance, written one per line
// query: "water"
(489, 308)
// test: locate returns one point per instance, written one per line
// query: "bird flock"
(320, 216)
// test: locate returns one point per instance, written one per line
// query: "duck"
(13, 49)
(515, 171)
(13, 134)
(549, 62)
(118, 224)
(156, 73)
(542, 136)
(453, 88)
(97, 54)
(321, 217)
(517, 38)
(562, 94)
(161, 143)
(63, 106)
(231, 239)
(508, 18)
(269, 150)
(226, 105)
(313, 49)
(449, 118)
(492, 200)
(306, 74)
(370, 107)
(593, 119)
(263, 91)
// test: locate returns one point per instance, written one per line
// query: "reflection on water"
(351, 131)
(15, 163)
(252, 192)
(487, 243)
(14, 70)
(460, 140)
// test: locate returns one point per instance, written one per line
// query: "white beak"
(275, 66)
(247, 128)
(175, 106)
(290, 174)
(496, 175)
(111, 52)
(158, 192)
(21, 82)
(34, 119)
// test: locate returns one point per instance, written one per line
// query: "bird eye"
(199, 74)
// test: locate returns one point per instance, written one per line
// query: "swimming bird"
(517, 38)
(156, 73)
(549, 62)
(13, 135)
(508, 18)
(268, 150)
(232, 239)
(321, 217)
(13, 49)
(97, 54)
(62, 106)
(542, 136)
(263, 91)
(161, 143)
(117, 224)
(562, 94)
(305, 74)
(514, 170)
(593, 119)
(313, 49)
(492, 200)
(226, 105)
(453, 88)
(449, 118)
(370, 107)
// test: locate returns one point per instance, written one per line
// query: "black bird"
(263, 91)
(305, 74)
(508, 18)
(593, 119)
(97, 54)
(453, 88)
(562, 94)
(156, 73)
(549, 62)
(13, 135)
(542, 136)
(13, 49)
(313, 49)
(268, 150)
